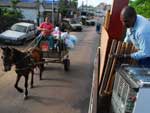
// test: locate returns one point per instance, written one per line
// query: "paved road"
(60, 91)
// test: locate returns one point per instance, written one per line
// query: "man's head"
(47, 19)
(128, 16)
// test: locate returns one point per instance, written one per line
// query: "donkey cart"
(55, 51)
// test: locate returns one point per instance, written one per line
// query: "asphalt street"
(59, 91)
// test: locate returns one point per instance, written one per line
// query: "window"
(19, 28)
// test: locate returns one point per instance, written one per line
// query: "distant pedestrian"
(98, 25)
(99, 22)
(62, 27)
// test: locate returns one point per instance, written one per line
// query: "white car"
(19, 33)
(90, 22)
(72, 24)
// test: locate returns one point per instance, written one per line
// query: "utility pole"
(86, 6)
(38, 11)
(53, 12)
(82, 6)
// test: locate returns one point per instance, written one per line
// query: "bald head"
(128, 16)
(128, 12)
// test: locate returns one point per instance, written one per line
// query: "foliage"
(8, 17)
(14, 3)
(65, 5)
(142, 7)
(74, 3)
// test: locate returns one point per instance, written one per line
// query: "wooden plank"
(108, 87)
(133, 62)
(123, 48)
(128, 51)
(121, 52)
(98, 68)
(94, 95)
(107, 19)
(103, 50)
(108, 67)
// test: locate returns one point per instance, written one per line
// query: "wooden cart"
(55, 51)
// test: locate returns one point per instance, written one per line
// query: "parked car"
(83, 19)
(19, 33)
(90, 22)
(72, 24)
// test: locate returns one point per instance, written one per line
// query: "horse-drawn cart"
(55, 51)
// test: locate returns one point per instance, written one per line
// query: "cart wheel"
(66, 64)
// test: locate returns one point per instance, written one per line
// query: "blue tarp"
(47, 1)
(50, 1)
(28, 1)
(20, 0)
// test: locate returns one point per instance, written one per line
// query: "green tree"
(8, 17)
(14, 4)
(74, 3)
(142, 7)
(63, 7)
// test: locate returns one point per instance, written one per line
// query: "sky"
(93, 2)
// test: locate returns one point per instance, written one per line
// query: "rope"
(43, 62)
(34, 64)
(30, 45)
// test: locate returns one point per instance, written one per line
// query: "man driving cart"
(45, 28)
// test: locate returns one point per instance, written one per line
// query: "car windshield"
(19, 28)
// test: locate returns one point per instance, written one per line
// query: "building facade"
(99, 10)
(35, 10)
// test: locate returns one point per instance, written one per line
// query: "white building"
(87, 10)
(34, 10)
(101, 9)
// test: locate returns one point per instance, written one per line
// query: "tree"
(74, 3)
(14, 4)
(67, 5)
(8, 17)
(63, 7)
(142, 7)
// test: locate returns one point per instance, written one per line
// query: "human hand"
(127, 56)
(43, 29)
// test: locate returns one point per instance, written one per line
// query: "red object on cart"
(44, 46)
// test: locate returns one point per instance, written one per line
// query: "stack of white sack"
(70, 40)
(56, 32)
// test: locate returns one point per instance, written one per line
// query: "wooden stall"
(111, 35)
(113, 29)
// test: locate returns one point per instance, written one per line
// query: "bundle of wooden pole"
(117, 48)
